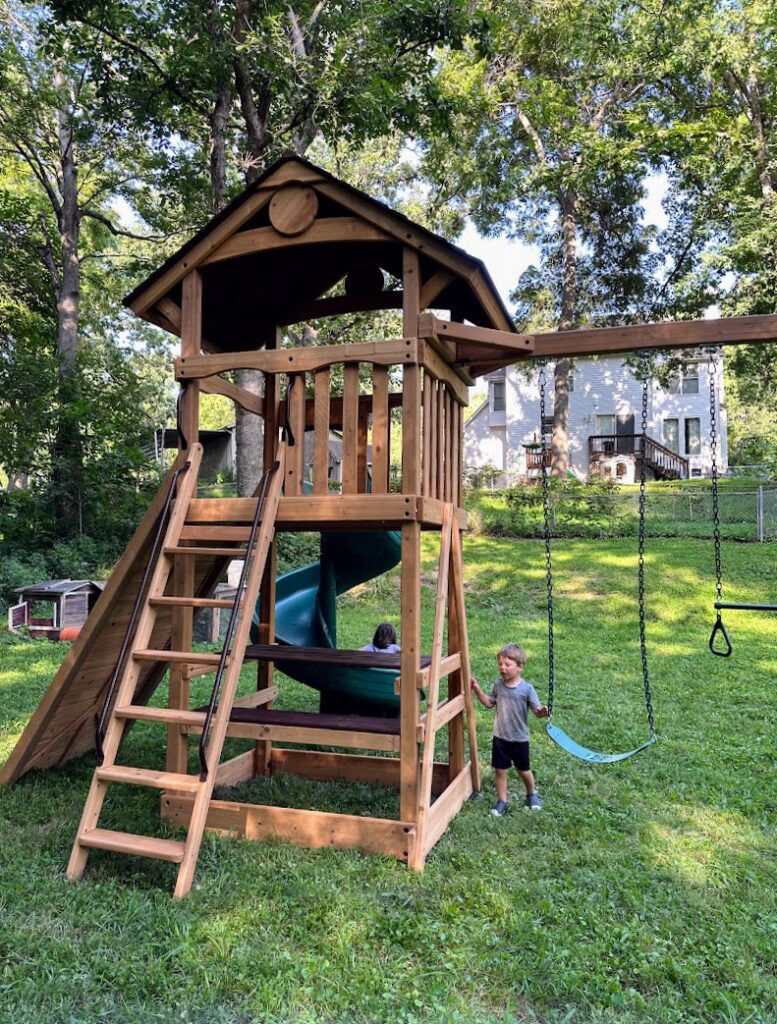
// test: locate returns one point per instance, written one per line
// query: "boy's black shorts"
(507, 752)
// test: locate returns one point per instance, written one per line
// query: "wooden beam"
(324, 230)
(457, 584)
(447, 806)
(313, 829)
(442, 371)
(240, 396)
(336, 305)
(194, 257)
(437, 283)
(310, 735)
(608, 340)
(429, 326)
(446, 710)
(299, 360)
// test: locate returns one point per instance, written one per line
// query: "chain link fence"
(682, 512)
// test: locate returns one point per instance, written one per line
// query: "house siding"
(601, 387)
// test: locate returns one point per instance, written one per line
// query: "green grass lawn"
(644, 892)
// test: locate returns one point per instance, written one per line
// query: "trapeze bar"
(720, 605)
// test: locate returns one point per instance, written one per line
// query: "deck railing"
(657, 456)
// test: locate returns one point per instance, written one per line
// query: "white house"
(605, 412)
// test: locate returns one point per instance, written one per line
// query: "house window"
(605, 424)
(686, 382)
(497, 396)
(692, 435)
(672, 435)
(621, 470)
(571, 381)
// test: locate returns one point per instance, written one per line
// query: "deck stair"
(665, 463)
(178, 542)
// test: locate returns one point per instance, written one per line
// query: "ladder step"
(186, 657)
(210, 552)
(172, 716)
(191, 602)
(147, 777)
(126, 842)
(216, 533)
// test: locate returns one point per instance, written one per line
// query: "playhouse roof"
(259, 273)
(56, 588)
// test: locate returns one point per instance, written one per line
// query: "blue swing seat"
(591, 756)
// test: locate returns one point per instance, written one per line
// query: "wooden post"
(411, 550)
(380, 430)
(191, 345)
(410, 663)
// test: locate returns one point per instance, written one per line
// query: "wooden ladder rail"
(457, 561)
(220, 720)
(114, 728)
(430, 731)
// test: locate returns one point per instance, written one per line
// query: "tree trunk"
(67, 474)
(218, 148)
(560, 444)
(249, 434)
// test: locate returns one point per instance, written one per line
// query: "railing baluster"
(350, 427)
(321, 432)
(380, 430)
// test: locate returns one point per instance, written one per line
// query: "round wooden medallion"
(293, 209)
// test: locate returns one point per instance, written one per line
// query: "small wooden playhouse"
(273, 258)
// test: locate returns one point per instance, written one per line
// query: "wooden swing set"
(298, 245)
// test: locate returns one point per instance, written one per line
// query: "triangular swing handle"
(720, 628)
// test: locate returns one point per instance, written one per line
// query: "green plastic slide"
(305, 616)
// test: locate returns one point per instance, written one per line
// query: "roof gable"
(270, 257)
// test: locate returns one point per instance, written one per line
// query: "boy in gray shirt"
(512, 697)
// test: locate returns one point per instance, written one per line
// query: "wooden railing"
(427, 413)
(534, 458)
(658, 457)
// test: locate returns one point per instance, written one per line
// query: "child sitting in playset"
(384, 641)
(512, 697)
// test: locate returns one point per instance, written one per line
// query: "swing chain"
(724, 651)
(546, 534)
(714, 461)
(641, 549)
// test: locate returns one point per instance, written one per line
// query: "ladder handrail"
(233, 616)
(152, 559)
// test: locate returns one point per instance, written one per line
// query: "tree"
(547, 150)
(716, 115)
(53, 140)
(243, 81)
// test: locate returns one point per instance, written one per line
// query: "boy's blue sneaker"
(499, 808)
(533, 802)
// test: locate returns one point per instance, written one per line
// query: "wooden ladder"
(183, 853)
